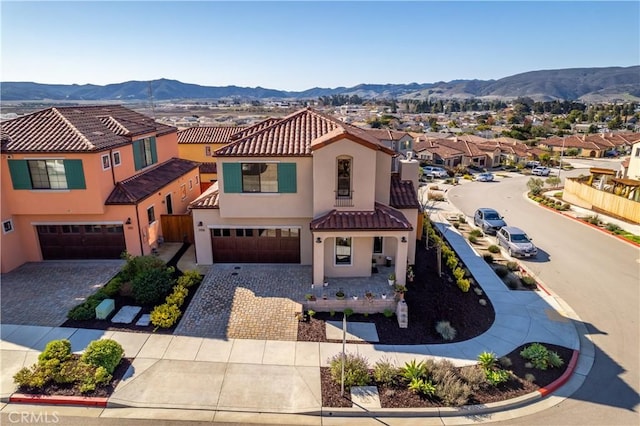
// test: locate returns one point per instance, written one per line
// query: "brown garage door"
(256, 245)
(81, 241)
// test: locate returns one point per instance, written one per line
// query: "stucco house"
(309, 189)
(88, 182)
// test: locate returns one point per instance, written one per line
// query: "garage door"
(256, 245)
(81, 241)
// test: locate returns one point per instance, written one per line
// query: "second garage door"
(258, 245)
(81, 241)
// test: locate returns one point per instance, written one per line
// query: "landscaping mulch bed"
(71, 390)
(399, 396)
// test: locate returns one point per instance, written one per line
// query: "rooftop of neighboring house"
(207, 134)
(434, 147)
(77, 129)
(403, 194)
(298, 134)
(388, 134)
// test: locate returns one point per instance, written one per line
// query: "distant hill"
(585, 84)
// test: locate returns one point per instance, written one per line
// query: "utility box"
(105, 308)
(402, 312)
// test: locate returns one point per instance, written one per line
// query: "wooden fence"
(177, 228)
(591, 198)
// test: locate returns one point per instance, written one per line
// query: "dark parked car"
(517, 243)
(489, 220)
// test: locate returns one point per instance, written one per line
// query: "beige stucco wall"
(211, 219)
(633, 172)
(383, 177)
(271, 205)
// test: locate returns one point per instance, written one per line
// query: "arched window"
(344, 173)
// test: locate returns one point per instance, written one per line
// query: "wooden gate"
(177, 228)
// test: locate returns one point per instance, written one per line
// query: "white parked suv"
(541, 171)
(438, 172)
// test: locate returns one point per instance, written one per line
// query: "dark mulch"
(430, 299)
(399, 396)
(71, 390)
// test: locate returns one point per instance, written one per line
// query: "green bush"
(348, 312)
(86, 311)
(388, 313)
(56, 349)
(105, 353)
(473, 239)
(452, 390)
(476, 233)
(493, 249)
(487, 360)
(422, 386)
(496, 377)
(458, 273)
(152, 286)
(356, 369)
(414, 370)
(165, 315)
(99, 376)
(112, 287)
(540, 357)
(137, 265)
(446, 330)
(502, 271)
(463, 284)
(385, 372)
(513, 266)
(528, 281)
(190, 278)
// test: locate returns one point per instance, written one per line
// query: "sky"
(298, 45)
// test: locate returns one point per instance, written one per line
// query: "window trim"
(10, 229)
(116, 154)
(335, 249)
(151, 214)
(105, 165)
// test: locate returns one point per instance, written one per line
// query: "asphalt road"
(599, 277)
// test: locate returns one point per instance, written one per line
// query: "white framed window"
(7, 226)
(343, 251)
(116, 159)
(106, 162)
(151, 215)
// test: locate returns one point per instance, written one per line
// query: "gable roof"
(77, 129)
(387, 134)
(207, 134)
(209, 199)
(297, 135)
(381, 218)
(140, 186)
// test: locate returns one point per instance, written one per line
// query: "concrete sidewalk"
(279, 381)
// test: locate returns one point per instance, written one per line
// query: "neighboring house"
(400, 142)
(89, 183)
(200, 143)
(312, 190)
(512, 151)
(632, 170)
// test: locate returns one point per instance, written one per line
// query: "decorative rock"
(126, 314)
(105, 308)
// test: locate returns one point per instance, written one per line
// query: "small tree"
(535, 185)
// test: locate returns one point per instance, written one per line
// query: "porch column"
(402, 249)
(318, 260)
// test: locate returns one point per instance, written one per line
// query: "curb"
(562, 379)
(83, 401)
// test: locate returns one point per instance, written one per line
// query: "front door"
(169, 205)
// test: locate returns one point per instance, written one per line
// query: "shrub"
(488, 257)
(505, 362)
(462, 219)
(137, 265)
(540, 357)
(474, 376)
(422, 386)
(105, 353)
(385, 372)
(612, 227)
(413, 370)
(496, 377)
(452, 390)
(555, 360)
(482, 302)
(478, 291)
(388, 313)
(86, 311)
(487, 360)
(463, 284)
(348, 312)
(530, 377)
(456, 225)
(356, 369)
(151, 286)
(513, 282)
(473, 239)
(165, 315)
(446, 330)
(177, 296)
(565, 207)
(512, 266)
(189, 279)
(112, 287)
(476, 233)
(502, 271)
(458, 273)
(493, 249)
(56, 349)
(558, 194)
(311, 313)
(528, 281)
(452, 262)
(439, 369)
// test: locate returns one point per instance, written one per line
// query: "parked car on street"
(438, 172)
(541, 171)
(489, 220)
(517, 243)
(485, 177)
(531, 164)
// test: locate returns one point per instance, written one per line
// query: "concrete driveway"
(41, 293)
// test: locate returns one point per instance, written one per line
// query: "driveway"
(41, 293)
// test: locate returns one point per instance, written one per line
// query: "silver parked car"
(517, 243)
(489, 220)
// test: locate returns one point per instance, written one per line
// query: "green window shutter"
(75, 174)
(20, 174)
(232, 175)
(287, 177)
(154, 151)
(137, 154)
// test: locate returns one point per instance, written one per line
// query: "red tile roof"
(403, 194)
(208, 134)
(209, 199)
(387, 134)
(77, 129)
(140, 186)
(382, 218)
(209, 167)
(297, 135)
(255, 128)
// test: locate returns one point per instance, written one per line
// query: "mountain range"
(579, 84)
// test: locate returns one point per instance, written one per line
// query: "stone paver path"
(41, 293)
(247, 302)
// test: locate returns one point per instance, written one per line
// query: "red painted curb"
(85, 401)
(562, 379)
(543, 289)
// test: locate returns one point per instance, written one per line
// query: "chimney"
(409, 169)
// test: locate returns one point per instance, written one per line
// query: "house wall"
(633, 172)
(211, 218)
(363, 174)
(197, 152)
(269, 205)
(383, 177)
